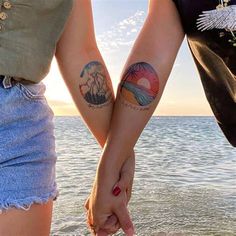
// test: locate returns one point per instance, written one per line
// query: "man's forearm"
(143, 81)
(138, 95)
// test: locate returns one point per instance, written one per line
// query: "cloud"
(122, 34)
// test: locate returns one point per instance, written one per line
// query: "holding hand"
(107, 204)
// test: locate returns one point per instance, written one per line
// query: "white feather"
(223, 18)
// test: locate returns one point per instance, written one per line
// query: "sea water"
(185, 180)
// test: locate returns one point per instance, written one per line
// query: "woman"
(31, 32)
(210, 28)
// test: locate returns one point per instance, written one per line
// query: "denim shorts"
(27, 145)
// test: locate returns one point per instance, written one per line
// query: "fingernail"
(116, 191)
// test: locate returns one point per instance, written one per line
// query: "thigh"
(35, 221)
(27, 161)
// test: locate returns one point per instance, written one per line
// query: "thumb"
(125, 221)
(86, 204)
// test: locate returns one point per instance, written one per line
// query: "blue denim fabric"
(27, 145)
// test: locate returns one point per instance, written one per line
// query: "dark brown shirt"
(211, 35)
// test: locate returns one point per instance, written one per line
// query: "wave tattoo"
(140, 84)
(94, 84)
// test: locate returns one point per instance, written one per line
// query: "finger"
(123, 184)
(111, 221)
(113, 230)
(90, 223)
(102, 232)
(94, 230)
(86, 205)
(125, 220)
(112, 225)
(126, 176)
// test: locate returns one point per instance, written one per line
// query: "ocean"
(185, 180)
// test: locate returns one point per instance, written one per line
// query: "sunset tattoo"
(139, 86)
(94, 85)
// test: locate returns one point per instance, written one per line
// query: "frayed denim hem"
(26, 203)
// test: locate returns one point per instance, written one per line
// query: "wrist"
(113, 157)
(105, 179)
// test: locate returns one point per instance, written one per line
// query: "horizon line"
(151, 116)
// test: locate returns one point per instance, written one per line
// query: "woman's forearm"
(90, 87)
(84, 70)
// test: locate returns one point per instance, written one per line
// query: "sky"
(117, 24)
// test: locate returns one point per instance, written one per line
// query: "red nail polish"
(116, 191)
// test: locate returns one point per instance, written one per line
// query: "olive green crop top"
(29, 32)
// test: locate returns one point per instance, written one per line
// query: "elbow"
(75, 56)
(75, 49)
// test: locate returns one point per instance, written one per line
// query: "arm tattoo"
(139, 86)
(94, 85)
